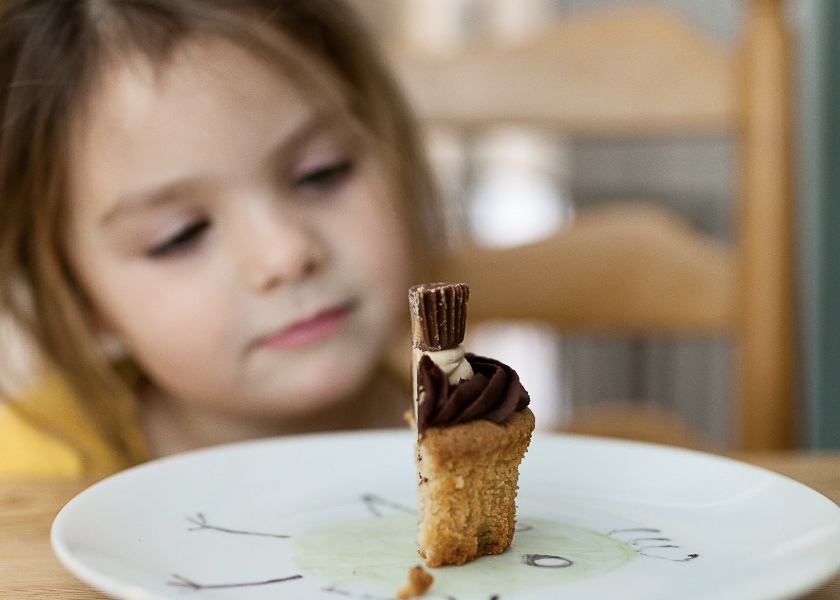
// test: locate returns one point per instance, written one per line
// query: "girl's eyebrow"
(316, 124)
(168, 192)
(146, 200)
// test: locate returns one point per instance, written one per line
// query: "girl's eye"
(182, 241)
(326, 175)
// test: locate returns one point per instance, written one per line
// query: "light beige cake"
(473, 428)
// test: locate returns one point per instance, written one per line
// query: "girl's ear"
(110, 342)
(108, 339)
(112, 346)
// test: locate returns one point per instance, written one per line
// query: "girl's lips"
(309, 330)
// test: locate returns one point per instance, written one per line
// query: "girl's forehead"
(138, 97)
(201, 64)
(132, 76)
(211, 108)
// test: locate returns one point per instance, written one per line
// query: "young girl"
(210, 213)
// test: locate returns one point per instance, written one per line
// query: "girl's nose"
(279, 249)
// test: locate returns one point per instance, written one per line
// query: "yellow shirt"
(68, 446)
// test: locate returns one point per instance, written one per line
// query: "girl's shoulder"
(45, 432)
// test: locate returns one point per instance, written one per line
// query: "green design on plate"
(372, 555)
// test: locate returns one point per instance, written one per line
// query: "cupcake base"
(467, 482)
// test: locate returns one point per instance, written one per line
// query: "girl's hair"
(53, 55)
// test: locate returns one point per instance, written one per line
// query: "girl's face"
(245, 247)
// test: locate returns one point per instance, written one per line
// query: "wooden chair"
(639, 269)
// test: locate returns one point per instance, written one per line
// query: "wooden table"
(28, 568)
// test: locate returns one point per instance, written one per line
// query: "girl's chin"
(329, 394)
(335, 374)
(332, 389)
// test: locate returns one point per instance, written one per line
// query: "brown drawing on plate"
(653, 547)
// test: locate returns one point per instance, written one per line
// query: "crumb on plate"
(419, 581)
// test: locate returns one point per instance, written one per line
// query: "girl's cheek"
(186, 356)
(391, 248)
(381, 229)
(173, 318)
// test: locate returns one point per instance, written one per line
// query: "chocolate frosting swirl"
(493, 393)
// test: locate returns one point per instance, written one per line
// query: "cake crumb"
(419, 581)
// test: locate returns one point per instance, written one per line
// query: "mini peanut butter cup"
(439, 314)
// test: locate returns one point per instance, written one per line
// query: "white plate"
(332, 517)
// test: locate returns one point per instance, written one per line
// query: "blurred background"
(660, 175)
(751, 176)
